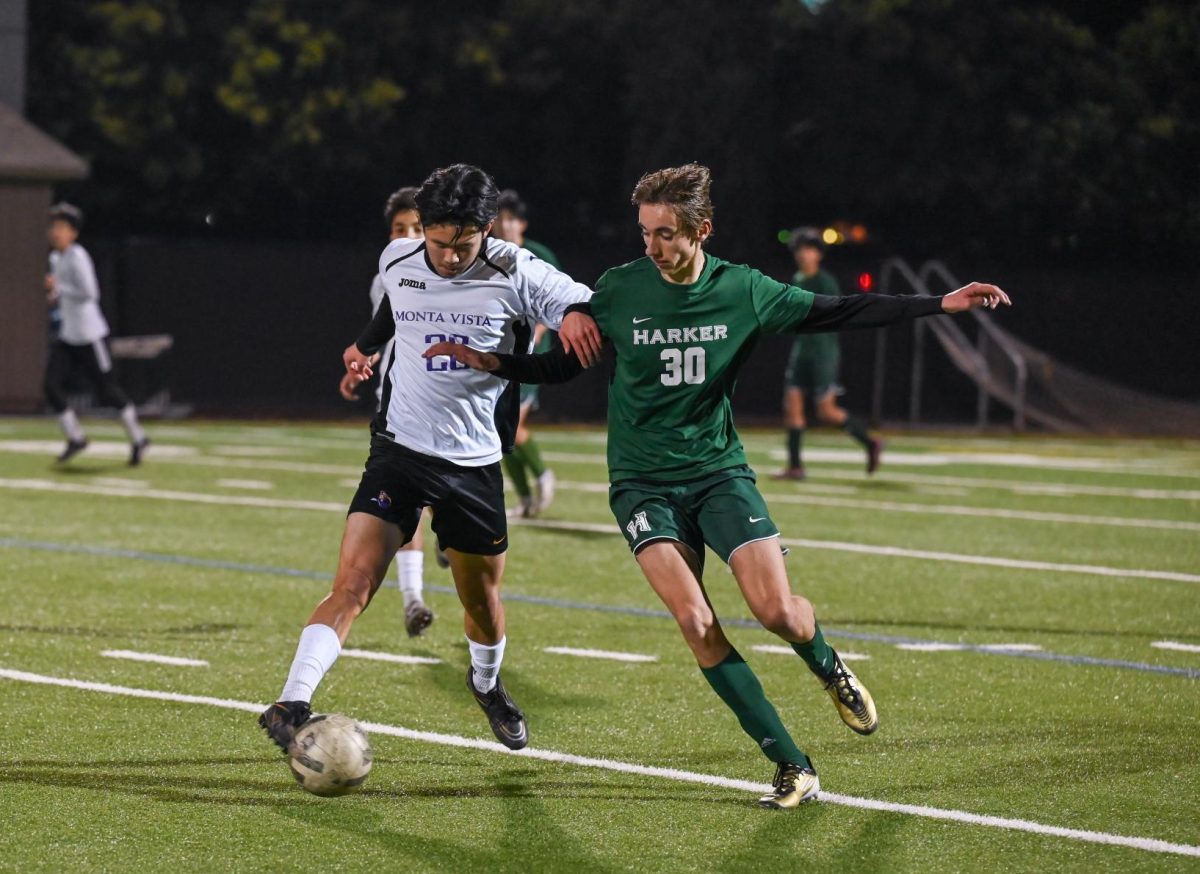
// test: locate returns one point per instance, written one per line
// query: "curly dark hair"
(458, 195)
(399, 200)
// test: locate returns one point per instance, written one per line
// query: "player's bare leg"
(762, 577)
(368, 545)
(477, 579)
(673, 571)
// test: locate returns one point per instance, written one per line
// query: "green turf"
(93, 781)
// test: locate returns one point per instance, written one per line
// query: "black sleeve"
(831, 313)
(543, 368)
(380, 329)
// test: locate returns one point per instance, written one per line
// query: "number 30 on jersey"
(683, 365)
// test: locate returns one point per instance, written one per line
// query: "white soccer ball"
(331, 755)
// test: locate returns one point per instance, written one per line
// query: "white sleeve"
(546, 291)
(80, 274)
(376, 292)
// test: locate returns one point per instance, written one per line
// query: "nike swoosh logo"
(501, 540)
(759, 519)
(639, 321)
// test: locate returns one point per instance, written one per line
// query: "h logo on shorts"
(639, 523)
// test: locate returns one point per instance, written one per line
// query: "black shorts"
(467, 502)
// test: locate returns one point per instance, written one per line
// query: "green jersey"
(816, 345)
(678, 352)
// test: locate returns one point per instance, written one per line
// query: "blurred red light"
(865, 282)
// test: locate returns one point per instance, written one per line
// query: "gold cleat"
(793, 785)
(853, 701)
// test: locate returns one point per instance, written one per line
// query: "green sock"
(533, 457)
(856, 429)
(817, 654)
(514, 465)
(795, 439)
(733, 680)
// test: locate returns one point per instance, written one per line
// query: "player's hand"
(977, 294)
(49, 282)
(358, 364)
(348, 387)
(579, 334)
(473, 358)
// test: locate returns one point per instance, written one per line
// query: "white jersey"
(78, 296)
(439, 407)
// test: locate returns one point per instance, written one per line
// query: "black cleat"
(137, 450)
(281, 720)
(417, 617)
(73, 448)
(508, 722)
(874, 451)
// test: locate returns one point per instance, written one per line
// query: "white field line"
(1151, 845)
(937, 509)
(258, 451)
(932, 647)
(153, 657)
(186, 455)
(983, 512)
(1175, 645)
(1009, 647)
(389, 657)
(600, 654)
(119, 482)
(898, 552)
(260, 485)
(777, 649)
(592, 527)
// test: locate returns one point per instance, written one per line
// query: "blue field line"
(217, 564)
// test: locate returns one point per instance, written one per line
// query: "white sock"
(133, 428)
(69, 423)
(318, 650)
(486, 662)
(410, 565)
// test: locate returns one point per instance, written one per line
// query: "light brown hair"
(685, 189)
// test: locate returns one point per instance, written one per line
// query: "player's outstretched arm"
(541, 369)
(975, 294)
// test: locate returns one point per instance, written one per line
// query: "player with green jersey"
(681, 323)
(526, 457)
(812, 366)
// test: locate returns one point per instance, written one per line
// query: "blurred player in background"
(82, 343)
(526, 457)
(436, 439)
(402, 221)
(812, 366)
(682, 323)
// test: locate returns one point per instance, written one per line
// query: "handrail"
(1001, 338)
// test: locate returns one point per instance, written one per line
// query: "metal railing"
(970, 357)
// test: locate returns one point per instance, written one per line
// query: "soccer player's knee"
(696, 624)
(355, 587)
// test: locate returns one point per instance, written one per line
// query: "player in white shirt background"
(82, 344)
(437, 437)
(403, 222)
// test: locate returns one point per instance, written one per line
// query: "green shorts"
(723, 509)
(529, 395)
(813, 368)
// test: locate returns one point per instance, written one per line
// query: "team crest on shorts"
(638, 523)
(384, 500)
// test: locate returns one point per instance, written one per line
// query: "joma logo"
(412, 283)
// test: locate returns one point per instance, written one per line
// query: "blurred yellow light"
(830, 236)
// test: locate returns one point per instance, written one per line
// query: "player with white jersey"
(438, 439)
(402, 221)
(82, 344)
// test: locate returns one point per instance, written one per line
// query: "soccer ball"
(331, 755)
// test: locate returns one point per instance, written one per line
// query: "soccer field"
(1026, 613)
